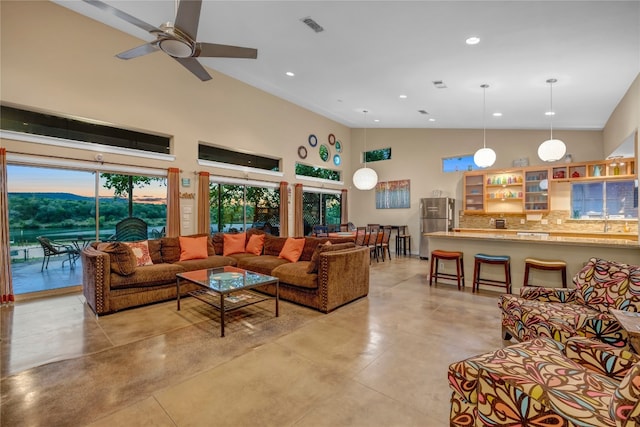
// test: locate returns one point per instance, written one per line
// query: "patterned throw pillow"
(141, 251)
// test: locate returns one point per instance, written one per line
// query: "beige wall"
(417, 155)
(625, 119)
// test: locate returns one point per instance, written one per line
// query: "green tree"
(123, 185)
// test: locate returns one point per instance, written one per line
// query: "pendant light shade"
(365, 178)
(484, 157)
(551, 150)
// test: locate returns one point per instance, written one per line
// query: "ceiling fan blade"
(195, 67)
(188, 17)
(123, 15)
(139, 51)
(212, 50)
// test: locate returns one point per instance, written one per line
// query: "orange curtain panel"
(6, 285)
(204, 220)
(284, 209)
(173, 202)
(344, 210)
(298, 221)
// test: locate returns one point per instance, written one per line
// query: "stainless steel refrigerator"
(436, 214)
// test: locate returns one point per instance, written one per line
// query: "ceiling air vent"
(423, 112)
(439, 84)
(313, 24)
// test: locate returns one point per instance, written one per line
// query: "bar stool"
(504, 260)
(401, 240)
(541, 264)
(437, 255)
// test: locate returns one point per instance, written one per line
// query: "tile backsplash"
(552, 221)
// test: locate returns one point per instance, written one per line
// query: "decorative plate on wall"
(313, 141)
(324, 153)
(302, 152)
(338, 146)
(332, 139)
(336, 159)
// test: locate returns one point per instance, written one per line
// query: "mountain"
(57, 196)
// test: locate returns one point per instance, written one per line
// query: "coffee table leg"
(277, 299)
(222, 315)
(178, 292)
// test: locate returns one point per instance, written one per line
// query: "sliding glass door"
(320, 208)
(237, 207)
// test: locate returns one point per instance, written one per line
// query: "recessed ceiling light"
(497, 114)
(376, 120)
(549, 113)
(432, 120)
(403, 96)
(472, 40)
(290, 74)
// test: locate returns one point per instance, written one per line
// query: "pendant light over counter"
(484, 157)
(551, 150)
(365, 178)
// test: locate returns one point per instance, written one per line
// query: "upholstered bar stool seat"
(504, 260)
(541, 264)
(438, 255)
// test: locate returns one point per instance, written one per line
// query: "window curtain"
(6, 284)
(298, 221)
(284, 209)
(344, 210)
(173, 202)
(204, 219)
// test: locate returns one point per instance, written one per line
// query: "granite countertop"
(513, 237)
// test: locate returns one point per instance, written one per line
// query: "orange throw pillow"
(234, 243)
(292, 249)
(193, 248)
(255, 244)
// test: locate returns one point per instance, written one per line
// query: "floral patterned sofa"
(561, 313)
(543, 382)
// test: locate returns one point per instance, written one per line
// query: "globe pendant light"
(365, 178)
(484, 157)
(552, 149)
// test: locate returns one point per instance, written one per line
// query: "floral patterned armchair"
(546, 383)
(561, 313)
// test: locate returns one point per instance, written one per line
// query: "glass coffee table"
(227, 288)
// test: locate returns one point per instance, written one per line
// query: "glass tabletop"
(227, 279)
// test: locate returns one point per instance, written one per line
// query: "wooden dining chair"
(361, 236)
(383, 242)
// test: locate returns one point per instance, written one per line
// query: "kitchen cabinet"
(536, 190)
(473, 192)
(504, 191)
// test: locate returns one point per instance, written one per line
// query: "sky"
(28, 179)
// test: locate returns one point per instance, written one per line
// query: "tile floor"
(380, 361)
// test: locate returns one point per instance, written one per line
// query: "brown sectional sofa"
(342, 273)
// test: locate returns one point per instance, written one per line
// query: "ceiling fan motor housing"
(174, 42)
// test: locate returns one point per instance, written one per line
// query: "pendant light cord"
(484, 114)
(551, 112)
(365, 137)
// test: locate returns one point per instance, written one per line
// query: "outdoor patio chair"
(51, 248)
(129, 230)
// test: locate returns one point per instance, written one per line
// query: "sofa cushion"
(326, 247)
(170, 249)
(213, 261)
(234, 243)
(147, 276)
(217, 241)
(141, 251)
(121, 257)
(295, 273)
(255, 244)
(155, 250)
(625, 399)
(292, 249)
(603, 284)
(263, 264)
(273, 244)
(193, 248)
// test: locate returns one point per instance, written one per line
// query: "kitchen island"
(575, 250)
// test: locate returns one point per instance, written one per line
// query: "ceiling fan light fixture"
(176, 48)
(552, 149)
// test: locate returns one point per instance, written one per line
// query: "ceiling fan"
(178, 40)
